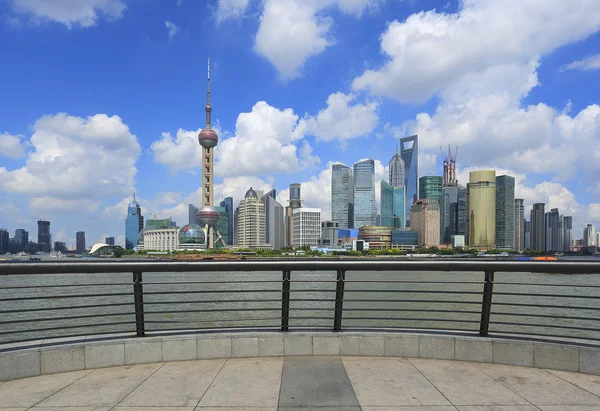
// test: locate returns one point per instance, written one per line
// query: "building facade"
(425, 215)
(134, 223)
(409, 151)
(397, 170)
(405, 239)
(589, 236)
(4, 240)
(295, 202)
(193, 215)
(329, 234)
(482, 208)
(159, 239)
(378, 237)
(365, 208)
(527, 234)
(80, 242)
(505, 212)
(307, 227)
(431, 187)
(519, 225)
(274, 230)
(227, 204)
(342, 195)
(21, 236)
(538, 227)
(44, 237)
(554, 230)
(109, 240)
(250, 222)
(567, 233)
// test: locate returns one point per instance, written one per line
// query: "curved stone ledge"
(56, 356)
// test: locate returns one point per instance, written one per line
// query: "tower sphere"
(208, 215)
(208, 138)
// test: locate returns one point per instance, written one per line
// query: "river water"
(397, 299)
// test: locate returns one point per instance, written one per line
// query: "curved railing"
(479, 298)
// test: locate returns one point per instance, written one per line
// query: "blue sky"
(102, 98)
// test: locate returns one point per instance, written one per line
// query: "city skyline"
(285, 117)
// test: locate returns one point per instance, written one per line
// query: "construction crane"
(449, 164)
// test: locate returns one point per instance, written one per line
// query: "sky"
(102, 99)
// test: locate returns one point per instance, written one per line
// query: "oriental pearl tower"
(208, 139)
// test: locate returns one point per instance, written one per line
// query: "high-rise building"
(134, 223)
(425, 218)
(250, 221)
(60, 246)
(227, 203)
(527, 234)
(274, 229)
(307, 227)
(193, 215)
(538, 227)
(431, 187)
(567, 233)
(4, 239)
(519, 224)
(208, 215)
(409, 151)
(221, 234)
(393, 211)
(554, 230)
(295, 202)
(589, 236)
(482, 208)
(453, 212)
(342, 195)
(44, 238)
(505, 212)
(365, 208)
(397, 170)
(21, 236)
(80, 242)
(109, 240)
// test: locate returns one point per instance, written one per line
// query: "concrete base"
(92, 353)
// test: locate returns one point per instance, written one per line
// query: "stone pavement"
(306, 384)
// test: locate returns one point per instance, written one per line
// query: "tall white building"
(307, 227)
(250, 221)
(589, 236)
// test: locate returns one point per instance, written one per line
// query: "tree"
(118, 253)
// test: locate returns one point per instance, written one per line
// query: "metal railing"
(47, 300)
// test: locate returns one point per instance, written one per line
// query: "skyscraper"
(193, 214)
(482, 208)
(519, 225)
(387, 204)
(453, 212)
(527, 234)
(431, 187)
(425, 216)
(365, 208)
(342, 195)
(21, 236)
(134, 223)
(538, 227)
(80, 242)
(227, 203)
(4, 239)
(567, 236)
(44, 239)
(409, 151)
(250, 221)
(589, 236)
(307, 227)
(208, 215)
(273, 220)
(553, 230)
(505, 212)
(295, 202)
(397, 170)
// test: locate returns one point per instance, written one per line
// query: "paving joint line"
(226, 360)
(56, 392)
(351, 385)
(281, 382)
(569, 382)
(432, 384)
(507, 387)
(137, 386)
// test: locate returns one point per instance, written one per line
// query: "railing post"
(138, 295)
(285, 300)
(486, 306)
(339, 300)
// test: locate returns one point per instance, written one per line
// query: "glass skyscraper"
(505, 212)
(397, 170)
(482, 208)
(274, 229)
(134, 223)
(538, 227)
(409, 151)
(365, 208)
(227, 203)
(387, 204)
(342, 196)
(44, 237)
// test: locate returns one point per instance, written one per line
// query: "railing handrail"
(91, 267)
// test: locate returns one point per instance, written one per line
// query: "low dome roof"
(251, 193)
(191, 234)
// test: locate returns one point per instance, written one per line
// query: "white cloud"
(231, 9)
(342, 121)
(172, 29)
(291, 31)
(587, 64)
(84, 13)
(12, 146)
(75, 163)
(432, 50)
(265, 143)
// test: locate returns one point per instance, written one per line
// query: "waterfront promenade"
(323, 383)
